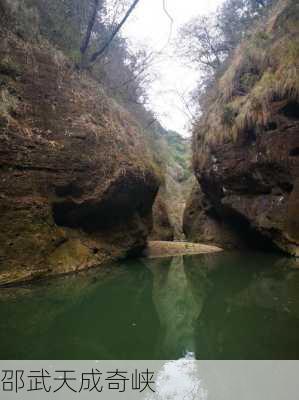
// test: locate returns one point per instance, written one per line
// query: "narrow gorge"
(163, 196)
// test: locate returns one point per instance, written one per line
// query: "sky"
(149, 26)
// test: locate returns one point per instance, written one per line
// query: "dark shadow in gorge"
(127, 196)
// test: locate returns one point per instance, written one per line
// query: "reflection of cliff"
(90, 316)
(250, 312)
(220, 306)
(228, 306)
(177, 306)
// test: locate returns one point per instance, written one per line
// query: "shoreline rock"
(169, 249)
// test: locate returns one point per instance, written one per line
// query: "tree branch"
(98, 53)
(89, 29)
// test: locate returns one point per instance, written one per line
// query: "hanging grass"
(263, 70)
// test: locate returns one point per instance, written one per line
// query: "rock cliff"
(76, 181)
(246, 144)
(173, 153)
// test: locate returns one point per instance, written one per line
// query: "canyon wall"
(173, 153)
(246, 144)
(77, 183)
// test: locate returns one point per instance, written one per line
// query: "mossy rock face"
(200, 225)
(9, 68)
(71, 255)
(246, 144)
(3, 121)
(77, 184)
(4, 80)
(27, 235)
(162, 226)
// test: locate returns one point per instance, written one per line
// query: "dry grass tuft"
(263, 70)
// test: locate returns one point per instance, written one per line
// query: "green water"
(224, 306)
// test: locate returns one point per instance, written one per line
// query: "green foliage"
(247, 81)
(236, 18)
(171, 151)
(122, 72)
(22, 19)
(63, 22)
(228, 116)
(261, 38)
(208, 41)
(292, 51)
(9, 68)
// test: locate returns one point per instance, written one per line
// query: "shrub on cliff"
(208, 40)
(263, 69)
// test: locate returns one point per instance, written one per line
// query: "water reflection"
(250, 310)
(177, 306)
(98, 315)
(229, 305)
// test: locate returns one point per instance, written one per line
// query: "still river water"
(222, 306)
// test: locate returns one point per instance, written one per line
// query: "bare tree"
(201, 43)
(90, 27)
(98, 53)
(207, 41)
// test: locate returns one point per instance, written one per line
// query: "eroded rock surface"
(163, 228)
(76, 182)
(202, 225)
(246, 146)
(168, 249)
(172, 153)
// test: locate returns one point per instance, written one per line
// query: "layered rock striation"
(246, 145)
(76, 181)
